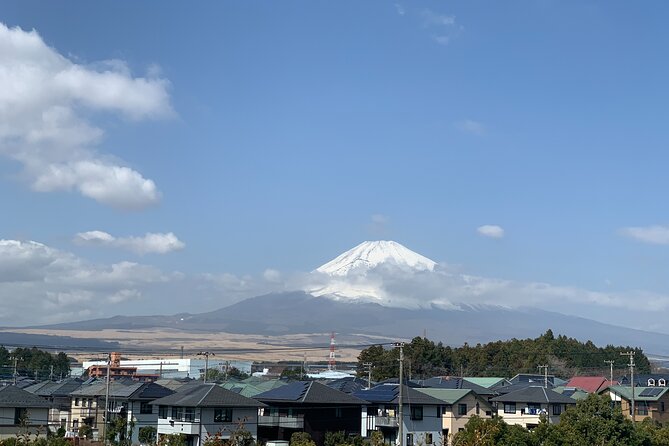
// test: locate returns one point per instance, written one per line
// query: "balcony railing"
(386, 421)
(289, 422)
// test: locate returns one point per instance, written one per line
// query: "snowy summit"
(368, 255)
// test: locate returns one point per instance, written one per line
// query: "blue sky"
(292, 131)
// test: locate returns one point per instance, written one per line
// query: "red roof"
(590, 384)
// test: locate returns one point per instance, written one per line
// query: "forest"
(34, 363)
(566, 357)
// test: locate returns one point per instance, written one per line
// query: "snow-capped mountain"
(370, 254)
(349, 276)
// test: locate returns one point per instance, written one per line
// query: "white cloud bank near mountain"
(149, 243)
(45, 104)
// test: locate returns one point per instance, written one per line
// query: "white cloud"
(400, 10)
(378, 224)
(431, 18)
(492, 231)
(657, 235)
(150, 243)
(470, 126)
(45, 103)
(271, 275)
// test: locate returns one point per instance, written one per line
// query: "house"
(591, 384)
(204, 410)
(650, 402)
(311, 407)
(452, 382)
(459, 405)
(130, 400)
(526, 406)
(21, 412)
(58, 396)
(537, 379)
(421, 417)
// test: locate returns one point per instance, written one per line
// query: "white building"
(173, 368)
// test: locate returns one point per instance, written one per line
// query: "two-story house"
(58, 395)
(204, 410)
(458, 406)
(311, 407)
(421, 417)
(649, 402)
(22, 412)
(526, 406)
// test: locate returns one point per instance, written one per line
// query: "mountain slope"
(301, 313)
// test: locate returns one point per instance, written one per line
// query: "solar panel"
(290, 392)
(569, 392)
(653, 391)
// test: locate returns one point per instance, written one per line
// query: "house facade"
(649, 402)
(21, 412)
(526, 407)
(459, 405)
(204, 410)
(421, 417)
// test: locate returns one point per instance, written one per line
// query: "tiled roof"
(11, 396)
(534, 394)
(591, 384)
(453, 382)
(206, 395)
(640, 393)
(448, 396)
(308, 392)
(486, 382)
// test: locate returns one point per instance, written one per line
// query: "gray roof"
(137, 390)
(11, 396)
(534, 394)
(49, 388)
(389, 394)
(206, 395)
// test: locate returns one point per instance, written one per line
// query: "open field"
(149, 343)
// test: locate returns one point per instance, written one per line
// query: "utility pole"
(545, 367)
(368, 366)
(104, 426)
(51, 373)
(631, 364)
(610, 362)
(15, 369)
(400, 415)
(206, 362)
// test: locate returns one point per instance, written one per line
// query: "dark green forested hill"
(565, 356)
(34, 363)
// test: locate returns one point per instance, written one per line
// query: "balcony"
(285, 421)
(386, 421)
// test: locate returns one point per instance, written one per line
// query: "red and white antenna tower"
(332, 363)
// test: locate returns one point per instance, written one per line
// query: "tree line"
(34, 363)
(566, 357)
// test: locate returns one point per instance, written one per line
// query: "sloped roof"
(534, 394)
(448, 396)
(572, 392)
(389, 394)
(591, 384)
(348, 385)
(640, 393)
(487, 382)
(454, 382)
(49, 388)
(11, 396)
(309, 392)
(206, 395)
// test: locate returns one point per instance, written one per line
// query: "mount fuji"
(385, 290)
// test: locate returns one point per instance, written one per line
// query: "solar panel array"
(291, 392)
(379, 394)
(653, 391)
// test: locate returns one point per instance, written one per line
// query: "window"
(651, 382)
(642, 409)
(661, 406)
(416, 412)
(409, 439)
(557, 409)
(662, 382)
(222, 415)
(20, 414)
(75, 424)
(76, 401)
(478, 408)
(509, 407)
(177, 413)
(189, 414)
(162, 412)
(462, 409)
(84, 402)
(428, 438)
(338, 413)
(145, 407)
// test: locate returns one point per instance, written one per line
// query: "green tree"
(301, 439)
(147, 435)
(172, 440)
